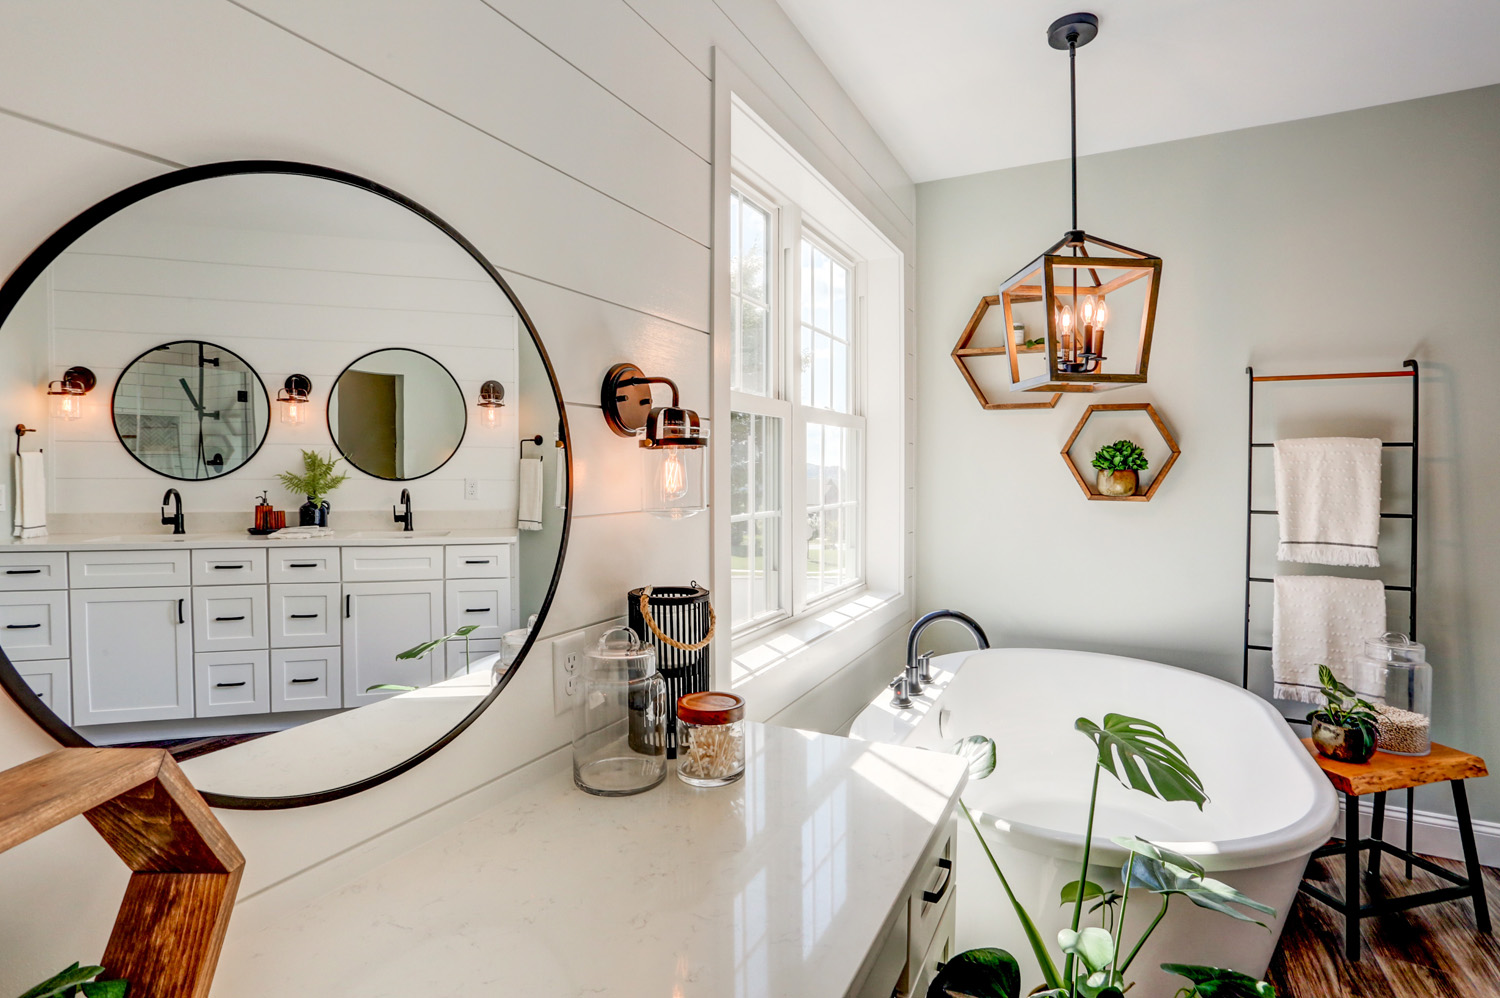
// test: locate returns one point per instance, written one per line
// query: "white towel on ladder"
(31, 496)
(1323, 620)
(1328, 500)
(529, 483)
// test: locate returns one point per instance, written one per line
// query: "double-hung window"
(797, 433)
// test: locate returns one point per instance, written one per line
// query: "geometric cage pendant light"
(1082, 286)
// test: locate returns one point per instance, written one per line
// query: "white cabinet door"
(34, 625)
(381, 620)
(229, 618)
(305, 615)
(233, 682)
(484, 603)
(132, 654)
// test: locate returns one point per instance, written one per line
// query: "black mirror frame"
(462, 404)
(53, 246)
(115, 425)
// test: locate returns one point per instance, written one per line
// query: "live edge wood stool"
(170, 928)
(1383, 773)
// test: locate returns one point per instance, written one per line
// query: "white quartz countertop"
(228, 539)
(777, 885)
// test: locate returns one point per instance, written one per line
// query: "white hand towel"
(1328, 497)
(1322, 620)
(529, 494)
(31, 496)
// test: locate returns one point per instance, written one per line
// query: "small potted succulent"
(315, 482)
(1119, 465)
(1345, 727)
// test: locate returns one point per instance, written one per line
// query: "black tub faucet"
(175, 519)
(402, 513)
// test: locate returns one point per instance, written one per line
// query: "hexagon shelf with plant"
(1100, 431)
(974, 360)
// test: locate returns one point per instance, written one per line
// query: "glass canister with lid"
(1397, 666)
(620, 723)
(710, 738)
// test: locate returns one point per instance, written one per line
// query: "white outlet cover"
(568, 651)
(471, 488)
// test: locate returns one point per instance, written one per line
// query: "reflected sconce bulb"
(293, 398)
(672, 441)
(491, 401)
(68, 392)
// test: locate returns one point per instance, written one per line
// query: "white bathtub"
(1269, 805)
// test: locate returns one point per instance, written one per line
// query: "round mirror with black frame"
(286, 271)
(190, 410)
(397, 414)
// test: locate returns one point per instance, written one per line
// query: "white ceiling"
(962, 86)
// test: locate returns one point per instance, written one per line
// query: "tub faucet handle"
(902, 699)
(924, 667)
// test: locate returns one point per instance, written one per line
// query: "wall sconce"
(491, 401)
(293, 398)
(67, 394)
(671, 439)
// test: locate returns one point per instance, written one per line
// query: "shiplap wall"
(570, 140)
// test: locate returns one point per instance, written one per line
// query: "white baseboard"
(1433, 833)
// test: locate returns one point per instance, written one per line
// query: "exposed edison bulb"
(293, 411)
(1086, 311)
(1064, 318)
(1101, 314)
(673, 476)
(490, 416)
(67, 406)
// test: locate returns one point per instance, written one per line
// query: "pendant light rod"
(1070, 32)
(1073, 116)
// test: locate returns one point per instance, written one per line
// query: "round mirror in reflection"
(191, 410)
(396, 414)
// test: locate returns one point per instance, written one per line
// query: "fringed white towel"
(1322, 620)
(31, 496)
(1328, 497)
(529, 483)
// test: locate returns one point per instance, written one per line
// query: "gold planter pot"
(1118, 483)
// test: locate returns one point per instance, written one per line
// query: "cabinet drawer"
(232, 682)
(479, 656)
(477, 561)
(306, 679)
(33, 570)
(49, 681)
(305, 616)
(484, 603)
(403, 563)
(229, 618)
(122, 569)
(299, 564)
(934, 893)
(34, 625)
(228, 566)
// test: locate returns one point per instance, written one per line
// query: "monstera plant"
(1097, 958)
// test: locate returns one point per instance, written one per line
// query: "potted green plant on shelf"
(1096, 958)
(315, 482)
(1345, 727)
(1119, 465)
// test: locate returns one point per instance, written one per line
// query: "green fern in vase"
(317, 478)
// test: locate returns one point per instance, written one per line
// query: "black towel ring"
(532, 440)
(21, 430)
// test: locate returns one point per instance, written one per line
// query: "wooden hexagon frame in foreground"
(1161, 428)
(186, 868)
(962, 350)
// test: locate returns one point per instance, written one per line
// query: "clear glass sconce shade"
(674, 485)
(489, 416)
(491, 400)
(68, 391)
(293, 411)
(67, 405)
(292, 398)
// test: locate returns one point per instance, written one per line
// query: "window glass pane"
(753, 257)
(822, 293)
(825, 331)
(807, 281)
(839, 371)
(749, 297)
(755, 516)
(833, 508)
(754, 376)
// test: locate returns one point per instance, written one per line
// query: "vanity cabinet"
(132, 654)
(381, 620)
(918, 937)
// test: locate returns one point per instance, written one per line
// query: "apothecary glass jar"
(1397, 666)
(620, 722)
(710, 739)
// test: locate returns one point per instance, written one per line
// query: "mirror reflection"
(280, 664)
(396, 414)
(190, 410)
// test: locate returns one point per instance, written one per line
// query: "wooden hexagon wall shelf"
(186, 868)
(1082, 476)
(963, 352)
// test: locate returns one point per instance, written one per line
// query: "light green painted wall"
(1346, 242)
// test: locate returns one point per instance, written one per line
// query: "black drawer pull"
(240, 617)
(21, 627)
(933, 897)
(309, 679)
(23, 571)
(302, 564)
(229, 568)
(225, 685)
(180, 618)
(478, 561)
(483, 609)
(304, 616)
(348, 605)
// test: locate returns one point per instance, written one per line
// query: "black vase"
(312, 514)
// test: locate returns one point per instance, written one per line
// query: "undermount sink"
(139, 538)
(395, 535)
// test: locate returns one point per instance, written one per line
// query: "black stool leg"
(1411, 796)
(1377, 828)
(1471, 856)
(1351, 877)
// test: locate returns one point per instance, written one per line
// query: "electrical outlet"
(567, 668)
(471, 488)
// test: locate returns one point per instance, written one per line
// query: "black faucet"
(175, 521)
(402, 513)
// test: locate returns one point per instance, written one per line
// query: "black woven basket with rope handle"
(678, 621)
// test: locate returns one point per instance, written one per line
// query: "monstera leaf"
(1216, 982)
(1143, 848)
(1141, 757)
(1169, 878)
(980, 753)
(978, 973)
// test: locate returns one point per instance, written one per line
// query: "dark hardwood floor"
(1430, 952)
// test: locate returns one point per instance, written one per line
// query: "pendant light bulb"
(1101, 314)
(1086, 312)
(673, 476)
(1065, 318)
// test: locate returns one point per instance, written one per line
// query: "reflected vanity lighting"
(67, 394)
(672, 440)
(491, 401)
(293, 398)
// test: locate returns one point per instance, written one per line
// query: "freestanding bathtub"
(1269, 805)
